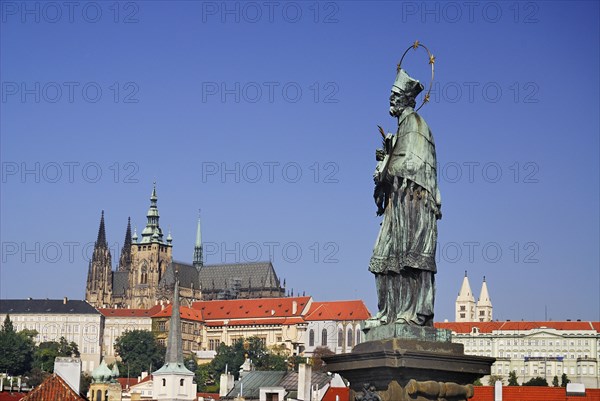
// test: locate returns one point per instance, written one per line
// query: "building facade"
(534, 349)
(145, 274)
(335, 325)
(118, 321)
(74, 320)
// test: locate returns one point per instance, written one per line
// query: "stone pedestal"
(400, 369)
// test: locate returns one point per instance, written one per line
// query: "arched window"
(324, 338)
(349, 342)
(181, 382)
(358, 335)
(164, 382)
(311, 338)
(340, 338)
(98, 395)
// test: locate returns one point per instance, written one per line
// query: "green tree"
(84, 383)
(16, 349)
(564, 380)
(494, 378)
(317, 358)
(537, 381)
(555, 381)
(140, 352)
(512, 378)
(204, 378)
(46, 353)
(254, 348)
(477, 382)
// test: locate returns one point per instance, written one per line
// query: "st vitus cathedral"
(146, 272)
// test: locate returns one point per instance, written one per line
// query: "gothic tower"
(98, 291)
(125, 259)
(198, 261)
(149, 260)
(465, 303)
(484, 304)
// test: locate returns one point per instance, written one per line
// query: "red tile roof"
(252, 308)
(185, 312)
(489, 327)
(333, 393)
(256, 322)
(132, 381)
(8, 396)
(338, 310)
(214, 396)
(108, 312)
(53, 388)
(530, 393)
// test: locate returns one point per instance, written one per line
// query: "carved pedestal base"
(409, 370)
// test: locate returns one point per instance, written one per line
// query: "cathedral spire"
(125, 260)
(198, 257)
(101, 240)
(152, 232)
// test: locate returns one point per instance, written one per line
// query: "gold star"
(416, 44)
(431, 59)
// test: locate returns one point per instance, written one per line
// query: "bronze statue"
(407, 196)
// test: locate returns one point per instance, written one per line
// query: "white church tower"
(484, 304)
(174, 382)
(465, 303)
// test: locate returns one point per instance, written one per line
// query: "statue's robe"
(403, 259)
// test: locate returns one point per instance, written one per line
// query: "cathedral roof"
(188, 276)
(250, 275)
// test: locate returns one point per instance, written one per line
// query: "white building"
(76, 321)
(335, 325)
(532, 349)
(118, 321)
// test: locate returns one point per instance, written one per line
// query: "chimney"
(226, 384)
(144, 375)
(304, 381)
(69, 369)
(65, 299)
(294, 307)
(498, 390)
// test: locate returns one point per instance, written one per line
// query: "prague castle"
(145, 274)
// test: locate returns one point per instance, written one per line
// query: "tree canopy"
(16, 349)
(140, 352)
(536, 381)
(512, 378)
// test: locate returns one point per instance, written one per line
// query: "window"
(311, 338)
(181, 382)
(350, 339)
(357, 336)
(462, 315)
(164, 382)
(324, 338)
(462, 308)
(340, 337)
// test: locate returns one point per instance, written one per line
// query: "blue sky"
(264, 115)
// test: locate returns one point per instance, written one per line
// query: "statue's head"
(404, 92)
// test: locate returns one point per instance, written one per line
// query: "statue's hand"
(381, 195)
(379, 154)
